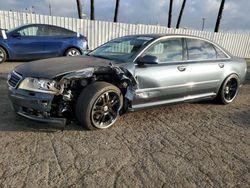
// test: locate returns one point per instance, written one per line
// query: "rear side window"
(56, 31)
(200, 50)
(220, 54)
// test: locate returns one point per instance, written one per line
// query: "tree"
(216, 29)
(116, 10)
(79, 8)
(92, 9)
(180, 15)
(170, 13)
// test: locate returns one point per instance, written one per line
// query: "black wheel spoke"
(98, 111)
(101, 119)
(110, 117)
(106, 98)
(112, 112)
(114, 103)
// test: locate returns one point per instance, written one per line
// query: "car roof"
(38, 24)
(157, 36)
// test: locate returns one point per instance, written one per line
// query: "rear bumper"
(34, 106)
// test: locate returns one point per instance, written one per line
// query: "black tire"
(3, 55)
(229, 89)
(91, 107)
(72, 52)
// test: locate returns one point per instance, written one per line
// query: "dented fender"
(123, 74)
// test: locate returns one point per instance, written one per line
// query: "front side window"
(200, 50)
(167, 51)
(29, 31)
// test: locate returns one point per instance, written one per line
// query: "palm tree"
(216, 29)
(116, 10)
(92, 9)
(180, 15)
(79, 8)
(170, 13)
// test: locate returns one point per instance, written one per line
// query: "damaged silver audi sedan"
(125, 74)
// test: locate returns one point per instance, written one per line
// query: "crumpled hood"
(51, 68)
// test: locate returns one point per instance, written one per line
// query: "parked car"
(125, 74)
(38, 41)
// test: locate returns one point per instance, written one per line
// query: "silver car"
(125, 74)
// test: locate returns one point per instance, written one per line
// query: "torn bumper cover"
(57, 102)
(34, 106)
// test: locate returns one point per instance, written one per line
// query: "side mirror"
(147, 59)
(16, 35)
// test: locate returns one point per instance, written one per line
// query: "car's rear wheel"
(72, 52)
(229, 89)
(3, 55)
(99, 105)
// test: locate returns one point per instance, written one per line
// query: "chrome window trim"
(171, 101)
(190, 84)
(185, 37)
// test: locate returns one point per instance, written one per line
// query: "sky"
(235, 17)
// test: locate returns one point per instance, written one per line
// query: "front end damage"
(59, 107)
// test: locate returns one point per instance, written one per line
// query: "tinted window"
(198, 49)
(29, 31)
(57, 31)
(165, 51)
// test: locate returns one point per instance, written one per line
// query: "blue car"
(38, 41)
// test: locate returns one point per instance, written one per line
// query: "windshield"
(121, 49)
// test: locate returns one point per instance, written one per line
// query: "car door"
(206, 68)
(25, 43)
(164, 82)
(56, 40)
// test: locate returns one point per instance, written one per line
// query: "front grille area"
(14, 79)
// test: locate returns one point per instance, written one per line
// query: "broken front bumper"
(34, 106)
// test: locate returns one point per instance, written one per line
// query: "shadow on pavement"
(242, 118)
(10, 121)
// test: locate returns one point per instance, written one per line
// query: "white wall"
(99, 32)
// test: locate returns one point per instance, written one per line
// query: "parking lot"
(186, 145)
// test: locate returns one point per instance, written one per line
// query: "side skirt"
(173, 101)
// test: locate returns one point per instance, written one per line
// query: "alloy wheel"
(73, 52)
(105, 110)
(1, 55)
(230, 90)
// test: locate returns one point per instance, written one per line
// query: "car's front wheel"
(3, 55)
(99, 105)
(72, 52)
(229, 89)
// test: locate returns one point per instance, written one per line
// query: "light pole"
(50, 9)
(170, 13)
(203, 23)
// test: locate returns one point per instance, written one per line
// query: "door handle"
(181, 68)
(221, 65)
